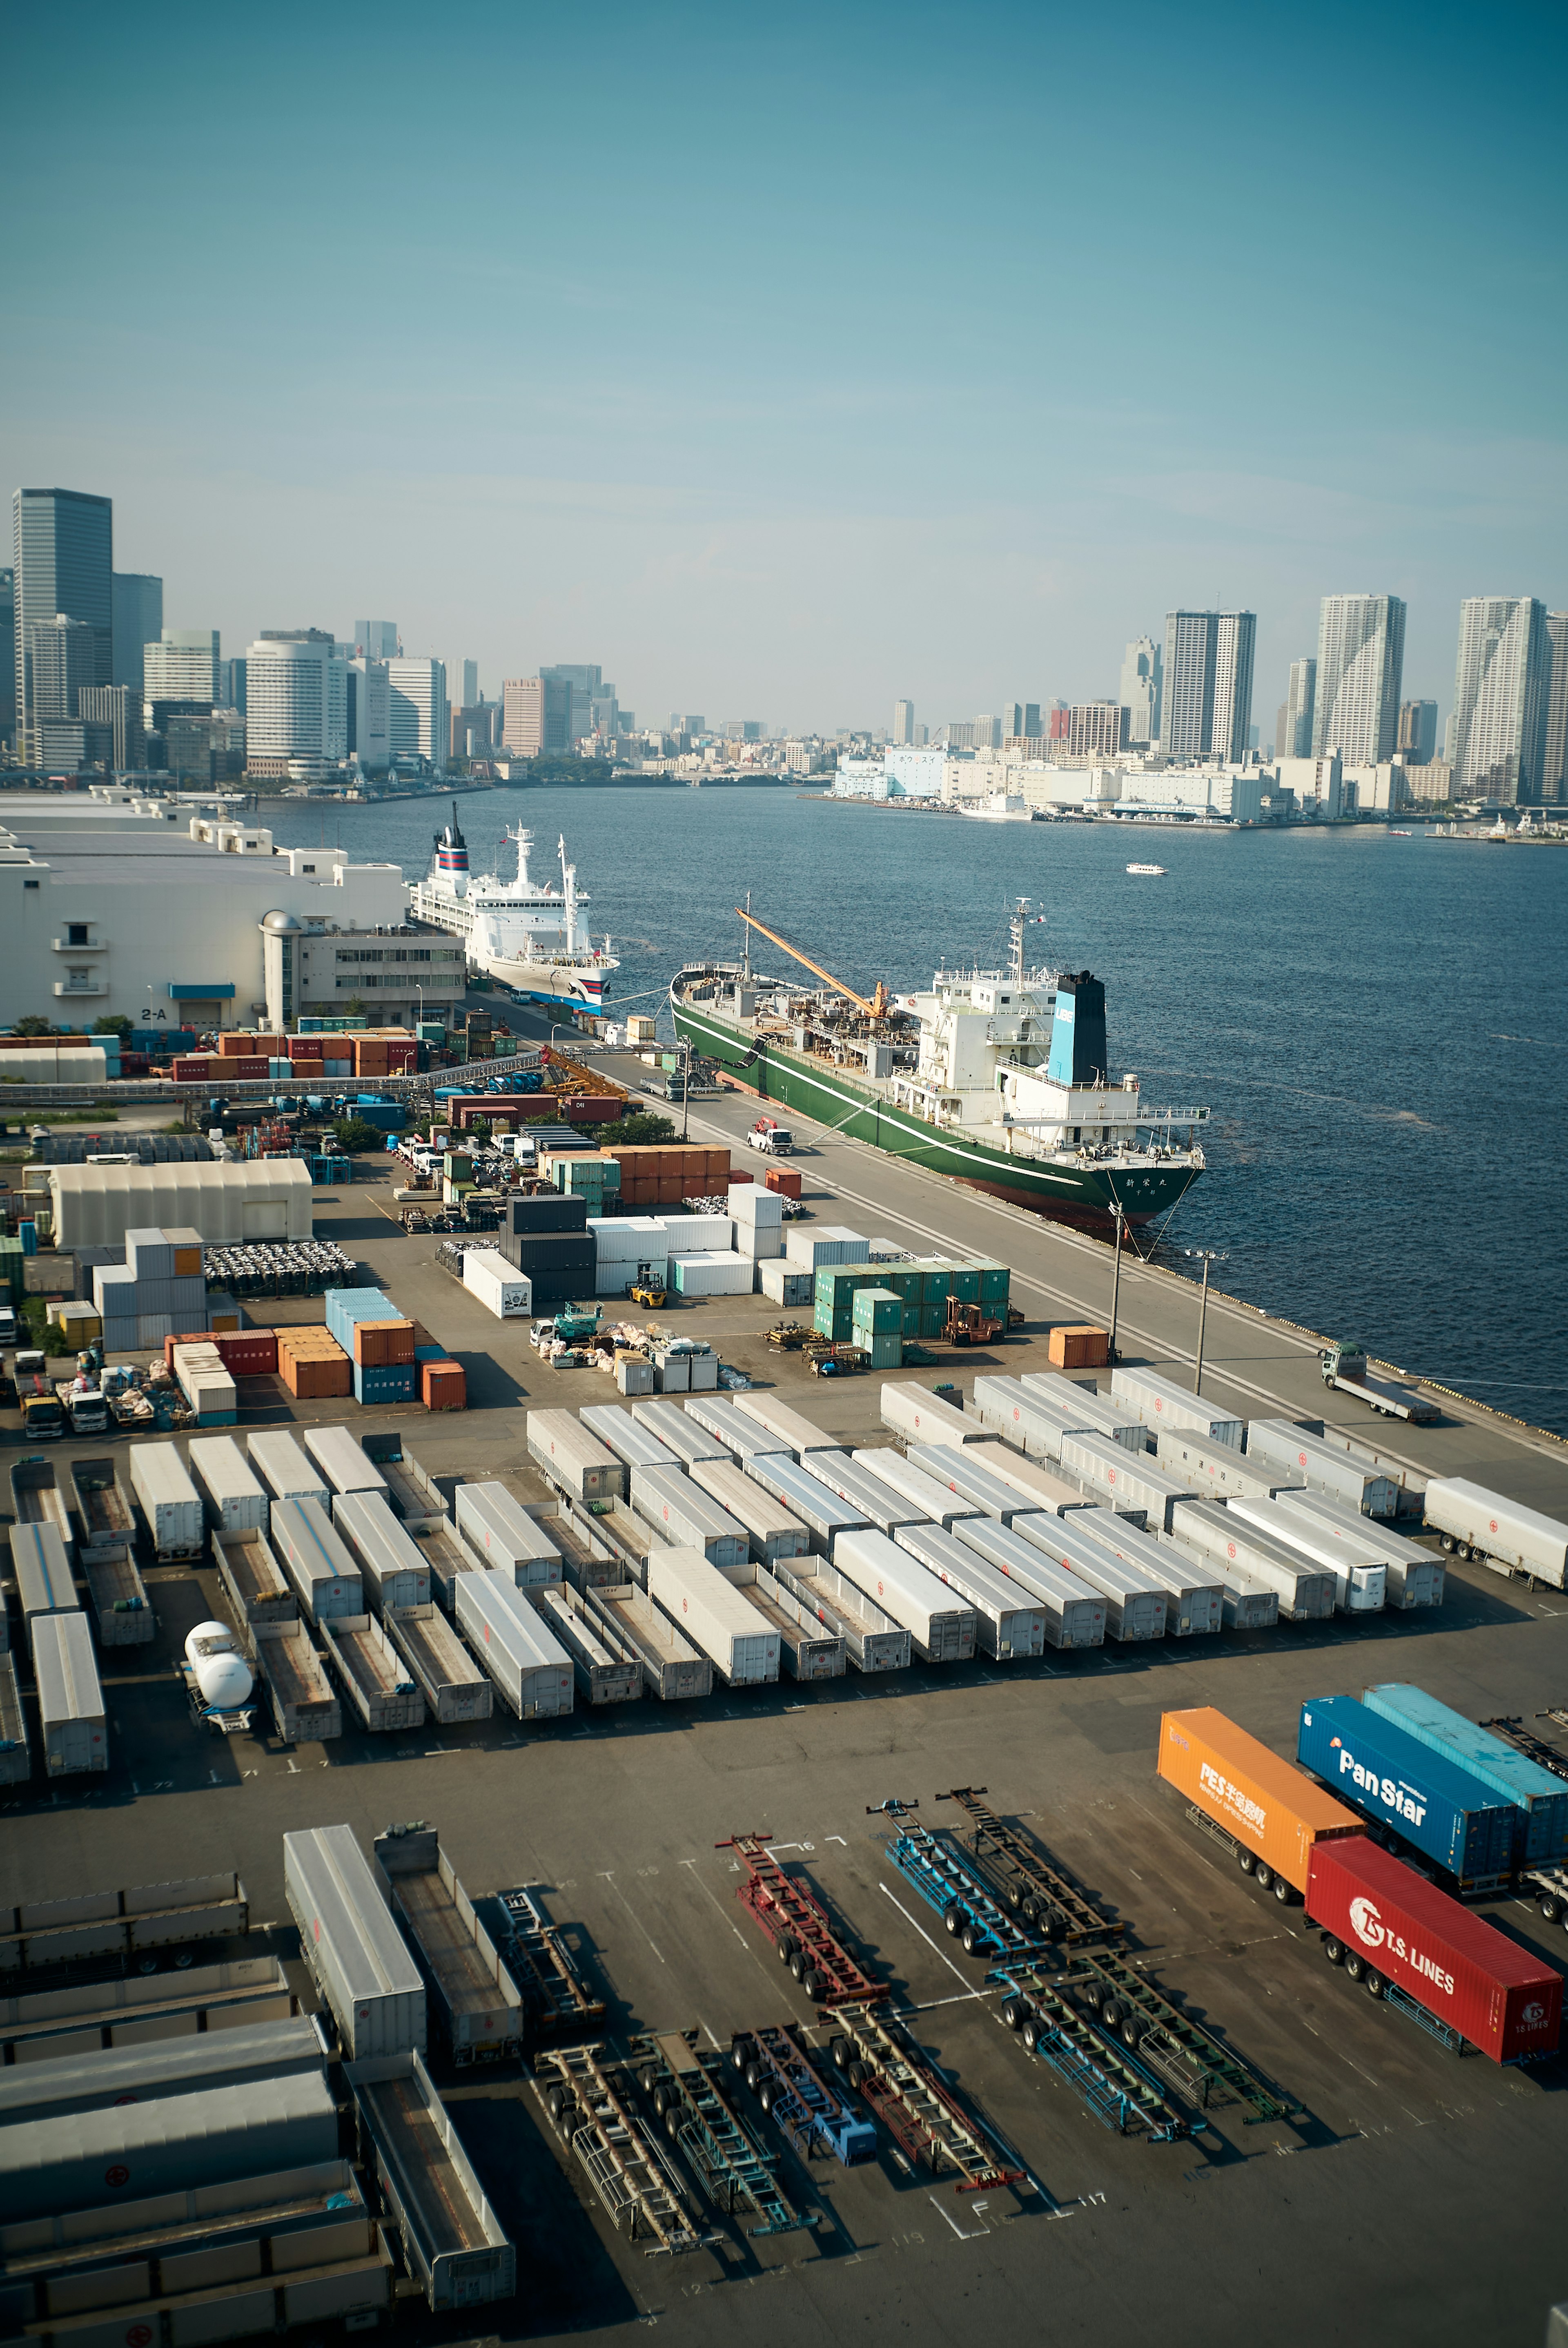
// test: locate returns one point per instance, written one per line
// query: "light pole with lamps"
(1115, 1284)
(1209, 1255)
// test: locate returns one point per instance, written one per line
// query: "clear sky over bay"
(785, 361)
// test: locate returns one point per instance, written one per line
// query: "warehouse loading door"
(264, 1218)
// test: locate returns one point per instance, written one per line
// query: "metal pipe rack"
(805, 2107)
(733, 2167)
(1028, 1878)
(557, 1999)
(799, 1929)
(877, 2059)
(585, 2095)
(1116, 2087)
(948, 1881)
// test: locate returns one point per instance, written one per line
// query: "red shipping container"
(593, 1108)
(1391, 1924)
(443, 1386)
(739, 1174)
(248, 1353)
(306, 1047)
(784, 1179)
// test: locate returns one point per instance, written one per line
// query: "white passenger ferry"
(527, 936)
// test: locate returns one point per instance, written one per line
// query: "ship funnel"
(1078, 1050)
(451, 848)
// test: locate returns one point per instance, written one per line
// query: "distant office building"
(1012, 719)
(693, 726)
(1096, 730)
(1293, 726)
(1418, 742)
(586, 680)
(987, 733)
(137, 601)
(536, 716)
(63, 566)
(1142, 671)
(7, 654)
(1059, 718)
(231, 686)
(1206, 686)
(1031, 721)
(183, 666)
(1554, 761)
(473, 729)
(421, 726)
(470, 684)
(296, 694)
(1360, 668)
(375, 640)
(62, 655)
(117, 708)
(903, 725)
(1502, 691)
(368, 714)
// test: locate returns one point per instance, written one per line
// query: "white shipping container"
(45, 1583)
(325, 1577)
(1074, 1611)
(1025, 1419)
(635, 1445)
(712, 1274)
(1306, 1593)
(353, 1949)
(392, 1568)
(1413, 1576)
(939, 1630)
(824, 1515)
(1159, 1402)
(498, 1285)
(771, 1532)
(630, 1240)
(504, 1537)
(1307, 1459)
(736, 1429)
(754, 1203)
(920, 1416)
(682, 1435)
(284, 1468)
(342, 1461)
(1081, 1410)
(71, 1712)
(798, 1436)
(523, 1656)
(1135, 1605)
(700, 1234)
(573, 1458)
(1215, 1470)
(715, 1615)
(786, 1284)
(972, 1479)
(689, 1517)
(1046, 1489)
(169, 1500)
(1501, 1532)
(235, 1501)
(884, 1504)
(1359, 1574)
(1009, 1624)
(1132, 1480)
(1197, 1591)
(811, 1245)
(925, 1499)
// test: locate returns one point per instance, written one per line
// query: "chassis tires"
(1551, 1907)
(953, 1918)
(1281, 1891)
(1030, 2034)
(814, 1986)
(797, 1965)
(1374, 1983)
(1332, 1950)
(839, 2051)
(1014, 2012)
(1355, 1966)
(1015, 1897)
(1246, 1861)
(967, 1940)
(1132, 2034)
(785, 1948)
(1263, 1876)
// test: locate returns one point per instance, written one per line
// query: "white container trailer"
(300, 1694)
(1022, 1416)
(72, 1718)
(574, 1460)
(825, 1516)
(448, 1677)
(169, 1501)
(797, 1436)
(1159, 1402)
(916, 1415)
(45, 1583)
(1136, 1605)
(918, 1498)
(522, 1655)
(633, 1444)
(1305, 1592)
(682, 1434)
(771, 1532)
(121, 1612)
(715, 1615)
(344, 1463)
(1215, 1470)
(392, 1568)
(1413, 1576)
(1510, 1539)
(808, 1650)
(231, 1495)
(1129, 1482)
(326, 1579)
(884, 1506)
(1359, 1576)
(259, 1589)
(498, 1285)
(1408, 1477)
(1009, 1624)
(1083, 1409)
(606, 1673)
(1197, 1591)
(1074, 1613)
(373, 1673)
(453, 2242)
(1304, 1458)
(1048, 1490)
(973, 1480)
(940, 1629)
(286, 1471)
(505, 1538)
(740, 1433)
(355, 1953)
(673, 1668)
(872, 1639)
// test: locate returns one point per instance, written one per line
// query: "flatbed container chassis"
(915, 2104)
(799, 1929)
(1119, 2089)
(733, 2169)
(555, 1997)
(584, 2094)
(806, 2108)
(1027, 1876)
(947, 1880)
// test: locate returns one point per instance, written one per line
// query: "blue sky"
(786, 362)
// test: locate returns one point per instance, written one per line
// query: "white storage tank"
(71, 1713)
(234, 1500)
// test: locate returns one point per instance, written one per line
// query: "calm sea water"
(1378, 1023)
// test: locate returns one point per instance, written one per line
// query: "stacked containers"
(812, 1245)
(877, 1327)
(1430, 1799)
(1541, 1799)
(312, 1365)
(206, 1384)
(379, 1340)
(712, 1275)
(759, 1222)
(622, 1243)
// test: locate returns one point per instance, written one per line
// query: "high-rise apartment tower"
(1360, 669)
(1502, 691)
(1207, 684)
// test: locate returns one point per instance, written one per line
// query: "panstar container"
(1403, 1929)
(1427, 1798)
(1274, 1811)
(1541, 1798)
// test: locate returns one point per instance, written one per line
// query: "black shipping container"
(547, 1211)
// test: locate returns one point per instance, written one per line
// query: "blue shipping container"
(393, 1383)
(1428, 1798)
(1543, 1797)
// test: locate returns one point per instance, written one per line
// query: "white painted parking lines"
(609, 1877)
(719, 1904)
(947, 1960)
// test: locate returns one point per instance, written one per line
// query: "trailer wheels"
(740, 2054)
(1281, 1891)
(1132, 2033)
(755, 2079)
(1262, 1876)
(660, 2100)
(838, 2052)
(765, 2095)
(1014, 2012)
(785, 1948)
(673, 2124)
(1550, 1908)
(1030, 2034)
(1015, 1897)
(1246, 1861)
(1111, 2015)
(1375, 1983)
(953, 1918)
(797, 1964)
(1332, 1950)
(555, 2102)
(1355, 1966)
(969, 1939)
(814, 1986)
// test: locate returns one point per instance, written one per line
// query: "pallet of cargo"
(559, 2002)
(879, 2060)
(947, 1880)
(588, 2098)
(798, 1927)
(452, 2239)
(802, 2103)
(687, 2089)
(1120, 2090)
(1028, 1878)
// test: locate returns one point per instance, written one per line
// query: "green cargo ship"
(996, 1079)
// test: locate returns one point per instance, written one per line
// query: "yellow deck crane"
(876, 1008)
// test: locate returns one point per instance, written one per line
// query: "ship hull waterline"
(1086, 1196)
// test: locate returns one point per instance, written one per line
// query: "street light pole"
(1115, 1286)
(1209, 1255)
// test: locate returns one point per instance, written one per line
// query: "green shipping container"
(995, 1281)
(878, 1310)
(966, 1285)
(935, 1284)
(933, 1319)
(911, 1320)
(886, 1352)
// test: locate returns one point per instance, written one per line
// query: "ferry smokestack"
(1078, 1048)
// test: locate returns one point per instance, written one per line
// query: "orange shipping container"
(670, 1189)
(383, 1344)
(1273, 1810)
(1077, 1345)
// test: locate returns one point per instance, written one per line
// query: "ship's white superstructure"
(531, 937)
